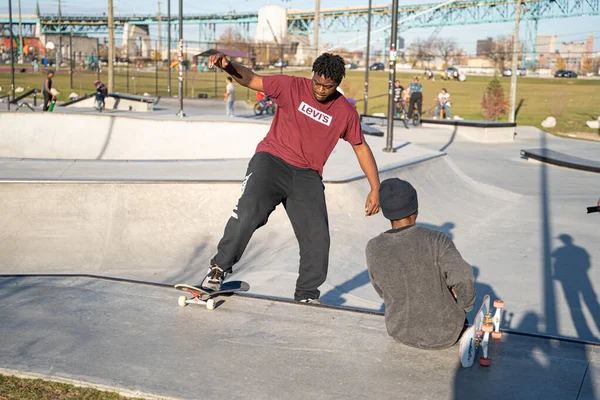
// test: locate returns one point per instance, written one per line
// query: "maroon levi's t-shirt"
(304, 132)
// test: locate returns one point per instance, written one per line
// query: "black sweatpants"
(47, 100)
(416, 97)
(270, 181)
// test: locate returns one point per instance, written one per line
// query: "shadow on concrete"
(108, 138)
(452, 137)
(482, 289)
(570, 268)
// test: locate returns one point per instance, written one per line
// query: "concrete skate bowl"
(167, 232)
(104, 137)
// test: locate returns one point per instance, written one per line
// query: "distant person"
(287, 168)
(426, 286)
(36, 65)
(398, 93)
(101, 93)
(229, 97)
(428, 74)
(47, 91)
(443, 104)
(416, 97)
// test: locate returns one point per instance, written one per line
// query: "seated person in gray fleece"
(425, 284)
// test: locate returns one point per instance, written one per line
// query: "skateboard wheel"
(488, 327)
(485, 361)
(210, 304)
(498, 304)
(182, 301)
(496, 335)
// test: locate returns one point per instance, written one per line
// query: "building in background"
(485, 47)
(576, 55)
(546, 44)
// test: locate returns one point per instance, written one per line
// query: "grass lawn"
(13, 388)
(571, 101)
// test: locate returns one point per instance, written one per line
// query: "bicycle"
(416, 118)
(265, 105)
(401, 113)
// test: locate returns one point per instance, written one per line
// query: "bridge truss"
(346, 20)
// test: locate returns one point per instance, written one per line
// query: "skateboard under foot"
(207, 296)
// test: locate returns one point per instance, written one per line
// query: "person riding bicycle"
(264, 103)
(443, 103)
(101, 94)
(416, 97)
(398, 97)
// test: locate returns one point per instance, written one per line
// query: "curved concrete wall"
(168, 232)
(102, 137)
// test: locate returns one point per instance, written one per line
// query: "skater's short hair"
(330, 66)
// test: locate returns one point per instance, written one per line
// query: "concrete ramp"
(104, 137)
(168, 231)
(137, 338)
(116, 101)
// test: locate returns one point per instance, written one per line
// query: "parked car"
(280, 64)
(563, 73)
(508, 72)
(351, 65)
(451, 73)
(377, 67)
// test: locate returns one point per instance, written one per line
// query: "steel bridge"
(341, 20)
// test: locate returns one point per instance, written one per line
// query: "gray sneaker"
(311, 301)
(214, 278)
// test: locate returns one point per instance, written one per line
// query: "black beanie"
(398, 199)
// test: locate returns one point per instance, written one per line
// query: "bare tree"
(446, 49)
(502, 52)
(232, 40)
(421, 50)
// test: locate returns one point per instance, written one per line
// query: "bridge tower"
(136, 41)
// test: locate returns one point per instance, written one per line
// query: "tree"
(502, 52)
(232, 40)
(560, 63)
(493, 104)
(587, 64)
(421, 50)
(446, 49)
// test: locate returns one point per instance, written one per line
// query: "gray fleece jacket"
(413, 270)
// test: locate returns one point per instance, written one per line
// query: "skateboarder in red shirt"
(288, 167)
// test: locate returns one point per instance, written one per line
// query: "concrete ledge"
(478, 131)
(561, 159)
(105, 137)
(116, 101)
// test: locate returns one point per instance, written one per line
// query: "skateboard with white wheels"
(207, 296)
(477, 336)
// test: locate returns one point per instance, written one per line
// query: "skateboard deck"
(207, 296)
(477, 336)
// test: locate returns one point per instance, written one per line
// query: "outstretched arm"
(241, 74)
(369, 167)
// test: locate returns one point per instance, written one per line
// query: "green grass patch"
(13, 388)
(571, 101)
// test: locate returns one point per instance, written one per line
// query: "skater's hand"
(372, 205)
(219, 59)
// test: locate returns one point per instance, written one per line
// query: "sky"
(569, 29)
